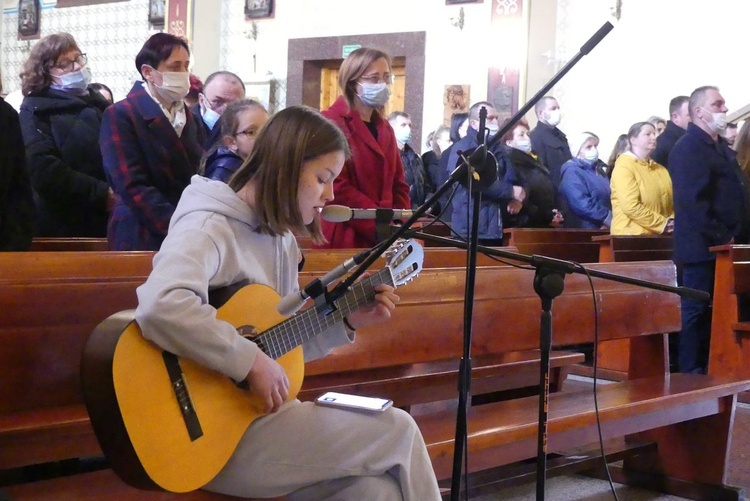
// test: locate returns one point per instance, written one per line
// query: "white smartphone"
(343, 400)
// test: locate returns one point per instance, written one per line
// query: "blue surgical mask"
(210, 117)
(403, 134)
(591, 155)
(523, 145)
(75, 80)
(375, 95)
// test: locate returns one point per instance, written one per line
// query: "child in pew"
(221, 234)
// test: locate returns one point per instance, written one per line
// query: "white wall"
(659, 49)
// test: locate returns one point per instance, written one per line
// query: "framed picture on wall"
(156, 12)
(28, 19)
(256, 9)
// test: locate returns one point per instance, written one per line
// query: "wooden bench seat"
(561, 243)
(505, 432)
(45, 244)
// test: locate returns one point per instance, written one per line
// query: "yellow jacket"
(641, 196)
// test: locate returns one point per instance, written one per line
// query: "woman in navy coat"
(150, 147)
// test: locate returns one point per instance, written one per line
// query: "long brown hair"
(35, 76)
(290, 138)
(742, 146)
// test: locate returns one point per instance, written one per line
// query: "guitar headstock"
(404, 260)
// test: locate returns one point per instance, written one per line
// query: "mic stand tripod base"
(548, 284)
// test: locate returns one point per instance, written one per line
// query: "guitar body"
(153, 430)
(171, 424)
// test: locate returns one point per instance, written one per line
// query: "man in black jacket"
(679, 118)
(548, 142)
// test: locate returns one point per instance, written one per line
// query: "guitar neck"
(294, 331)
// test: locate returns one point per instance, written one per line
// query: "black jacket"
(665, 142)
(420, 187)
(207, 138)
(541, 194)
(16, 200)
(551, 146)
(61, 134)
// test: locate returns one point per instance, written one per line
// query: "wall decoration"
(156, 12)
(455, 100)
(255, 9)
(452, 2)
(29, 12)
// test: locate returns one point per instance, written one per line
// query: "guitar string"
(291, 333)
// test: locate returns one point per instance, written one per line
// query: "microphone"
(290, 303)
(340, 213)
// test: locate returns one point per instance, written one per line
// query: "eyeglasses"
(68, 66)
(375, 79)
(248, 133)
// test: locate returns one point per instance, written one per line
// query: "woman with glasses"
(60, 118)
(150, 146)
(240, 124)
(374, 176)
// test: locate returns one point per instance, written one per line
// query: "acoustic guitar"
(166, 422)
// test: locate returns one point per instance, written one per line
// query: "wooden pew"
(505, 375)
(730, 320)
(561, 243)
(689, 417)
(45, 244)
(506, 321)
(613, 356)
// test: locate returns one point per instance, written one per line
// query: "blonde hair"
(354, 66)
(290, 138)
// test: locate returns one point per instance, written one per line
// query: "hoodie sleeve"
(173, 309)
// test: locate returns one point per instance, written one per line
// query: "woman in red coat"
(374, 176)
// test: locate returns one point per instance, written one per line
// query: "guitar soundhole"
(253, 334)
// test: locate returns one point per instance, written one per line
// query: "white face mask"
(718, 122)
(591, 155)
(492, 128)
(175, 85)
(523, 145)
(554, 117)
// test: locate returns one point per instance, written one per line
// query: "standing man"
(420, 188)
(679, 118)
(710, 202)
(221, 88)
(548, 142)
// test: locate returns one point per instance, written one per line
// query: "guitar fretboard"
(294, 331)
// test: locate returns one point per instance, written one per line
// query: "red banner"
(179, 20)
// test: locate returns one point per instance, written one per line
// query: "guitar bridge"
(182, 395)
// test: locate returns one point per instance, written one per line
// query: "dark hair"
(35, 76)
(676, 103)
(291, 137)
(223, 73)
(456, 120)
(354, 66)
(157, 49)
(98, 87)
(508, 136)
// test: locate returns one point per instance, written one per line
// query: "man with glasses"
(221, 88)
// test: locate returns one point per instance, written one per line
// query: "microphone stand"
(548, 285)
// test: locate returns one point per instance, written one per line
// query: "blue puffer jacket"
(222, 164)
(586, 194)
(493, 198)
